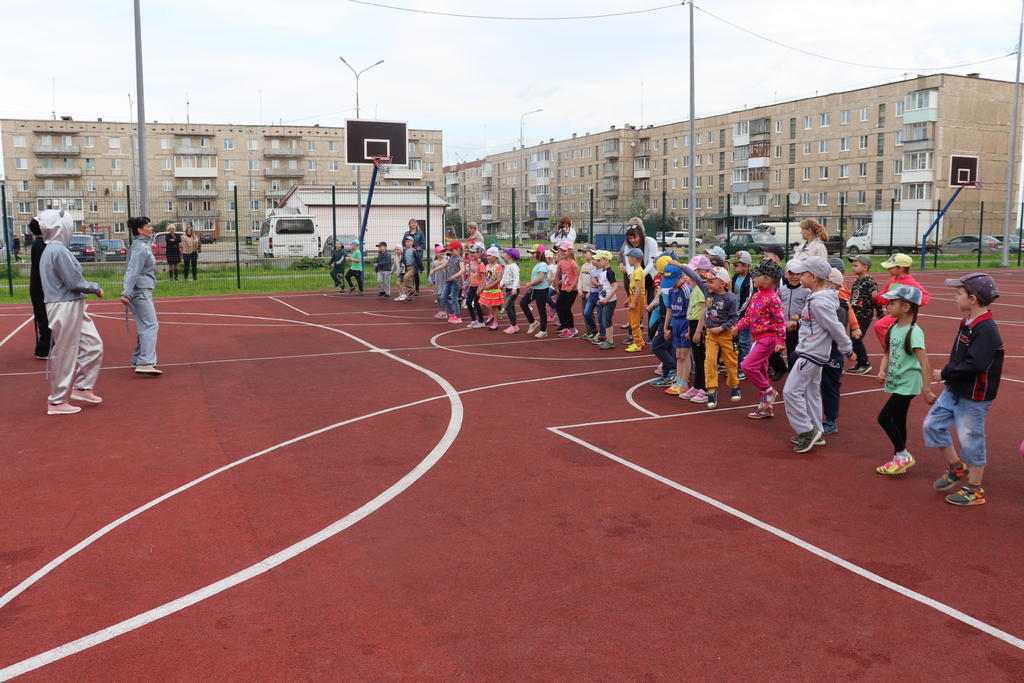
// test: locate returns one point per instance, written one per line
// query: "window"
(430, 166)
(90, 141)
(823, 173)
(19, 140)
(229, 143)
(792, 152)
(700, 138)
(778, 151)
(412, 147)
(897, 166)
(918, 161)
(21, 164)
(807, 173)
(805, 198)
(920, 99)
(823, 199)
(778, 175)
(844, 144)
(115, 164)
(430, 147)
(254, 164)
(807, 123)
(90, 185)
(119, 227)
(899, 138)
(293, 164)
(332, 146)
(169, 207)
(899, 108)
(881, 115)
(333, 165)
(863, 113)
(807, 148)
(825, 120)
(862, 170)
(94, 207)
(311, 165)
(167, 164)
(844, 198)
(165, 143)
(862, 142)
(119, 186)
(90, 164)
(917, 191)
(844, 116)
(844, 171)
(778, 126)
(24, 207)
(253, 145)
(822, 146)
(115, 143)
(229, 164)
(118, 207)
(254, 205)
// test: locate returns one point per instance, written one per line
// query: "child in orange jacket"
(899, 267)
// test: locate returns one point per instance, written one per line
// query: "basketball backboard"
(963, 170)
(365, 139)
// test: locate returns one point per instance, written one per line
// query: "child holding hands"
(766, 321)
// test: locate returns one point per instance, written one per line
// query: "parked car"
(969, 244)
(114, 250)
(207, 237)
(753, 242)
(679, 239)
(86, 248)
(1014, 241)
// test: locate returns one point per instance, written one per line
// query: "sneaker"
(86, 396)
(605, 345)
(62, 409)
(807, 440)
(541, 335)
(760, 413)
(597, 340)
(511, 329)
(859, 370)
(700, 396)
(829, 427)
(950, 478)
(742, 375)
(676, 389)
(734, 394)
(454, 320)
(663, 381)
(970, 494)
(563, 333)
(148, 370)
(634, 347)
(488, 320)
(588, 336)
(533, 327)
(712, 399)
(821, 440)
(400, 297)
(689, 393)
(440, 315)
(628, 339)
(898, 465)
(624, 326)
(770, 396)
(571, 332)
(493, 327)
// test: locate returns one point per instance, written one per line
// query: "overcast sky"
(473, 78)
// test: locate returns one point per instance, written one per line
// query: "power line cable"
(500, 18)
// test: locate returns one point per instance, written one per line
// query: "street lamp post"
(522, 154)
(359, 179)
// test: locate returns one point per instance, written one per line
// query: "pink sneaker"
(511, 329)
(440, 315)
(689, 393)
(493, 327)
(455, 320)
(62, 409)
(700, 396)
(86, 396)
(488, 320)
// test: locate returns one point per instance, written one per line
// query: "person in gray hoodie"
(77, 347)
(137, 295)
(819, 327)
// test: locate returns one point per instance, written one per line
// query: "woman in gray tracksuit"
(77, 348)
(139, 280)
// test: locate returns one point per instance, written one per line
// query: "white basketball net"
(383, 164)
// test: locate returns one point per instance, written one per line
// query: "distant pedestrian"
(137, 295)
(172, 251)
(563, 233)
(35, 290)
(338, 265)
(190, 253)
(16, 247)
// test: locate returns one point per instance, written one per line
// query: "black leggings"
(510, 305)
(698, 357)
(473, 304)
(541, 297)
(564, 309)
(858, 344)
(191, 262)
(893, 419)
(357, 275)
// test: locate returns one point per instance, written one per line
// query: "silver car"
(970, 244)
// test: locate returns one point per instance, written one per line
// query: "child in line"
(819, 327)
(384, 267)
(862, 294)
(679, 279)
(490, 297)
(743, 288)
(794, 298)
(832, 372)
(337, 265)
(585, 288)
(550, 258)
(766, 323)
(510, 286)
(451, 275)
(972, 379)
(899, 268)
(697, 393)
(637, 300)
(604, 284)
(474, 277)
(355, 269)
(657, 325)
(567, 281)
(904, 367)
(537, 291)
(436, 279)
(721, 316)
(407, 279)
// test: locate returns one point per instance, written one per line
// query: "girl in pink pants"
(767, 324)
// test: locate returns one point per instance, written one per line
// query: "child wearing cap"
(474, 277)
(765, 322)
(657, 325)
(698, 292)
(903, 372)
(720, 317)
(606, 288)
(407, 278)
(384, 267)
(794, 297)
(637, 300)
(355, 269)
(899, 268)
(436, 278)
(819, 327)
(537, 292)
(972, 379)
(832, 372)
(682, 282)
(567, 283)
(490, 297)
(586, 292)
(743, 288)
(337, 264)
(510, 283)
(862, 294)
(451, 276)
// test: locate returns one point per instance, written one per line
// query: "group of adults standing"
(182, 249)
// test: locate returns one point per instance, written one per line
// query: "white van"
(290, 235)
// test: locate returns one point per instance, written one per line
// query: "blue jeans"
(743, 342)
(589, 307)
(662, 348)
(604, 317)
(452, 293)
(969, 418)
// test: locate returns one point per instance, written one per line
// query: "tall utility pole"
(693, 146)
(522, 155)
(131, 146)
(143, 189)
(1012, 165)
(359, 175)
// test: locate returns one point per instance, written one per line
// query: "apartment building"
(849, 153)
(194, 169)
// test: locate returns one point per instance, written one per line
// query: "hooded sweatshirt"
(820, 326)
(58, 268)
(140, 275)
(793, 299)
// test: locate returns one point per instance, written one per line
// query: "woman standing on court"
(815, 236)
(637, 238)
(137, 295)
(190, 253)
(173, 251)
(419, 245)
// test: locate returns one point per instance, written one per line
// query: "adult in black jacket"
(35, 290)
(419, 243)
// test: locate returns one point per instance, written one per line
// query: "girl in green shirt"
(355, 269)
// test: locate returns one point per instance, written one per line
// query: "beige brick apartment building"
(861, 147)
(86, 167)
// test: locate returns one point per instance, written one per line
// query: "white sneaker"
(86, 396)
(401, 297)
(534, 326)
(62, 409)
(541, 335)
(148, 370)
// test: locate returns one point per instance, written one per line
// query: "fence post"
(935, 251)
(334, 219)
(728, 224)
(8, 239)
(128, 192)
(238, 228)
(787, 225)
(892, 222)
(428, 219)
(1020, 233)
(842, 225)
(664, 218)
(981, 230)
(513, 216)
(592, 214)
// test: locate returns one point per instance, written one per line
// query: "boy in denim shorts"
(972, 380)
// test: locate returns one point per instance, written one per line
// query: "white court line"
(14, 332)
(285, 303)
(804, 545)
(456, 349)
(630, 401)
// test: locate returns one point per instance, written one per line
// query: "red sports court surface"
(339, 487)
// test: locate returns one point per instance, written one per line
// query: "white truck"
(904, 232)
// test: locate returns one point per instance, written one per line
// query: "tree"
(453, 222)
(636, 207)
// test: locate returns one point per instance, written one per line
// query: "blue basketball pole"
(366, 214)
(924, 240)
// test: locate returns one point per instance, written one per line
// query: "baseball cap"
(438, 249)
(355, 242)
(700, 262)
(539, 249)
(660, 264)
(670, 276)
(565, 245)
(455, 244)
(722, 274)
(384, 244)
(838, 264)
(905, 292)
(774, 249)
(814, 265)
(742, 257)
(477, 247)
(513, 252)
(980, 285)
(493, 251)
(588, 247)
(635, 253)
(603, 254)
(861, 258)
(901, 260)
(717, 251)
(769, 268)
(835, 277)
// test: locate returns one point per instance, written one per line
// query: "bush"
(308, 263)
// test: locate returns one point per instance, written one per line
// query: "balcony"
(924, 176)
(56, 150)
(540, 214)
(190, 193)
(279, 152)
(754, 210)
(198, 213)
(641, 173)
(195, 151)
(918, 145)
(282, 134)
(275, 194)
(534, 165)
(193, 172)
(59, 193)
(486, 202)
(486, 181)
(486, 171)
(758, 162)
(610, 191)
(487, 216)
(401, 173)
(283, 172)
(60, 172)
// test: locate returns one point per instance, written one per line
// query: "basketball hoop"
(383, 163)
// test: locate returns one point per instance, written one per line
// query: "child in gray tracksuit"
(819, 327)
(77, 348)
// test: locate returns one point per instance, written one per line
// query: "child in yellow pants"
(637, 299)
(721, 316)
